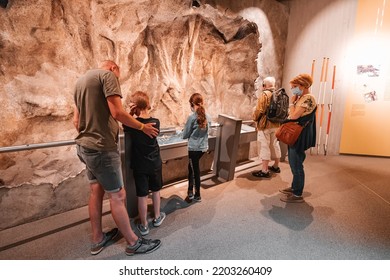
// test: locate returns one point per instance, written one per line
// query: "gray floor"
(346, 216)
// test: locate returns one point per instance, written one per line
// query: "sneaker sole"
(258, 176)
(147, 252)
(285, 192)
(292, 201)
(105, 243)
(97, 252)
(273, 170)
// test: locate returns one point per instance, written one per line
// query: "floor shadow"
(212, 182)
(168, 205)
(295, 216)
(249, 176)
(266, 186)
(173, 203)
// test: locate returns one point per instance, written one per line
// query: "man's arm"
(119, 113)
(76, 117)
(260, 107)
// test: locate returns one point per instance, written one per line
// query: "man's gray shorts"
(103, 167)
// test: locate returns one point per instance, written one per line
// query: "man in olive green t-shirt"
(97, 109)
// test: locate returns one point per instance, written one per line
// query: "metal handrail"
(27, 147)
(36, 146)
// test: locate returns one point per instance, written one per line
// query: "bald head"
(107, 64)
(110, 66)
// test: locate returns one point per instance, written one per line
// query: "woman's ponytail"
(197, 99)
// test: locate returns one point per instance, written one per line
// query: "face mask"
(296, 91)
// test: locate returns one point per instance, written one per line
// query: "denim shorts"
(103, 167)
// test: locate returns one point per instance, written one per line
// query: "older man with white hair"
(266, 131)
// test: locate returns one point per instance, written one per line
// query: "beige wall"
(367, 110)
(318, 29)
(345, 34)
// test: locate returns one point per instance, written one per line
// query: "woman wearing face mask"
(302, 109)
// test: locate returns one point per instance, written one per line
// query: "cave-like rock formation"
(168, 48)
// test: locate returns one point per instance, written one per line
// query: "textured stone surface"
(29, 202)
(164, 47)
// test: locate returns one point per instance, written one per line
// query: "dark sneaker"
(143, 246)
(274, 169)
(287, 191)
(292, 199)
(107, 236)
(158, 221)
(142, 229)
(261, 174)
(197, 197)
(190, 195)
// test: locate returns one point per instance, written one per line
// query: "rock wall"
(167, 48)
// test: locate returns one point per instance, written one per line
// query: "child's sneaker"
(143, 230)
(190, 195)
(158, 221)
(197, 197)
